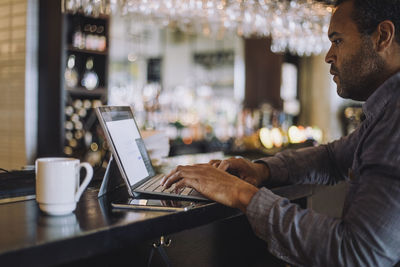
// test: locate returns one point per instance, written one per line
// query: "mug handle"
(86, 181)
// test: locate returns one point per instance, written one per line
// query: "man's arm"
(324, 164)
(368, 235)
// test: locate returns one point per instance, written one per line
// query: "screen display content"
(130, 147)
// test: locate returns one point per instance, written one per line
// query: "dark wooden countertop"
(26, 233)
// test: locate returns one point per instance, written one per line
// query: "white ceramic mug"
(57, 184)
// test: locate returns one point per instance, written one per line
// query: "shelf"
(98, 96)
(81, 91)
(86, 51)
(83, 14)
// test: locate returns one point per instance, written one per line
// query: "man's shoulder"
(391, 111)
(384, 98)
(382, 132)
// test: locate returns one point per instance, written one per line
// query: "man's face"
(355, 64)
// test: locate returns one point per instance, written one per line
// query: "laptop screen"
(127, 143)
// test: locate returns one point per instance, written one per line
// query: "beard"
(360, 75)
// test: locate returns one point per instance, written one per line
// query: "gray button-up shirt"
(368, 233)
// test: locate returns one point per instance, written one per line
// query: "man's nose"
(329, 58)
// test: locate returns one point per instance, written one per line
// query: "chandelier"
(297, 26)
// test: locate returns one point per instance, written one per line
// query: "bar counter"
(95, 231)
(98, 235)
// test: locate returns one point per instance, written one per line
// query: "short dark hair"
(368, 14)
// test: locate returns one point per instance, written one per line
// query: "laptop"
(130, 154)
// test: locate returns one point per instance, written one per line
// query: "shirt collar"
(381, 96)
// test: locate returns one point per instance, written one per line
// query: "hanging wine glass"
(299, 26)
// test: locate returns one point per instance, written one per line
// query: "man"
(365, 62)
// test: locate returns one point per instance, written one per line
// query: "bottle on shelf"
(78, 38)
(71, 74)
(93, 38)
(90, 79)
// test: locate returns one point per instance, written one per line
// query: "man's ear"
(385, 35)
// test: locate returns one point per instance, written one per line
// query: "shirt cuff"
(278, 171)
(258, 209)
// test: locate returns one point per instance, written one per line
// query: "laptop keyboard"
(153, 185)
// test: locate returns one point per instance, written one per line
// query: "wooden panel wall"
(12, 83)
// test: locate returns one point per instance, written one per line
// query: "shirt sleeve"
(367, 236)
(324, 164)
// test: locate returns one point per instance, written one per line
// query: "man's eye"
(337, 41)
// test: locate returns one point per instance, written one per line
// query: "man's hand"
(213, 183)
(253, 173)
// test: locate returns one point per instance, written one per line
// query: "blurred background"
(242, 77)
